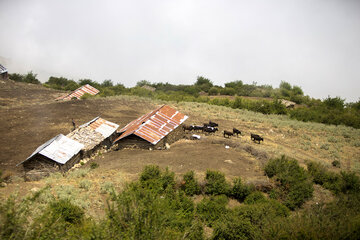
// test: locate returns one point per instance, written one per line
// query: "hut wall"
(177, 134)
(4, 76)
(69, 164)
(40, 162)
(107, 142)
(133, 141)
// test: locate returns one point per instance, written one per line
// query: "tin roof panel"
(59, 149)
(155, 125)
(2, 69)
(79, 92)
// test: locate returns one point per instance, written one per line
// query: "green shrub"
(78, 173)
(336, 163)
(255, 197)
(336, 220)
(94, 165)
(65, 210)
(141, 213)
(240, 191)
(351, 182)
(85, 184)
(195, 232)
(86, 96)
(107, 187)
(295, 186)
(153, 178)
(212, 208)
(190, 185)
(234, 227)
(333, 139)
(216, 183)
(325, 146)
(345, 182)
(150, 172)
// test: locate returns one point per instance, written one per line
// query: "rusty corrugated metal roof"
(59, 149)
(79, 92)
(155, 125)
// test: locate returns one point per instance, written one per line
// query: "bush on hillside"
(235, 228)
(67, 211)
(345, 182)
(336, 163)
(153, 178)
(86, 96)
(295, 186)
(255, 197)
(190, 185)
(210, 209)
(240, 191)
(216, 183)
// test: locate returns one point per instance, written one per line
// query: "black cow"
(198, 128)
(236, 131)
(210, 129)
(228, 133)
(256, 137)
(213, 124)
(188, 127)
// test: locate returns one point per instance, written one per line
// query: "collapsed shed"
(153, 130)
(78, 93)
(59, 153)
(62, 152)
(95, 134)
(3, 73)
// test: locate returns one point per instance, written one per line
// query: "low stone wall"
(133, 141)
(177, 134)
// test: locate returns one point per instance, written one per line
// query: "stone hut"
(153, 130)
(94, 135)
(3, 73)
(58, 154)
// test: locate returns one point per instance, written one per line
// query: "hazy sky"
(311, 43)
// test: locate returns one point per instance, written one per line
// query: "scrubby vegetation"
(329, 111)
(156, 206)
(30, 77)
(343, 182)
(294, 185)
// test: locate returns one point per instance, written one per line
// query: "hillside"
(31, 116)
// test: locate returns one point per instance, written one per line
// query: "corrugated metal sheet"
(2, 69)
(59, 149)
(79, 92)
(155, 125)
(102, 126)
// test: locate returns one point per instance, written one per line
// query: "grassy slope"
(303, 141)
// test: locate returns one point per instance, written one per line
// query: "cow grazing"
(213, 124)
(188, 128)
(228, 133)
(198, 128)
(256, 137)
(210, 129)
(237, 132)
